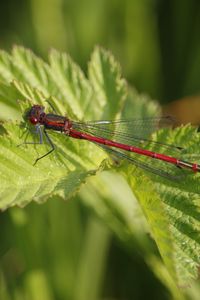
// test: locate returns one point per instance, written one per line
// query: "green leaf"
(9, 106)
(119, 208)
(73, 161)
(109, 87)
(22, 182)
(171, 208)
(73, 87)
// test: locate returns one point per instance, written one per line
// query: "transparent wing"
(131, 132)
(160, 168)
(137, 128)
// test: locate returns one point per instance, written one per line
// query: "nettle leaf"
(27, 80)
(108, 86)
(171, 208)
(9, 107)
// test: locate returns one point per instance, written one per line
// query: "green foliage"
(171, 208)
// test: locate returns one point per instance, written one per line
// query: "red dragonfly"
(120, 138)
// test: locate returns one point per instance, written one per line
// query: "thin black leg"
(51, 144)
(39, 132)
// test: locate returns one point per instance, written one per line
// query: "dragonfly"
(118, 137)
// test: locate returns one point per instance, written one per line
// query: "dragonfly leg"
(37, 131)
(51, 144)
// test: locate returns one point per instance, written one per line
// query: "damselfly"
(118, 137)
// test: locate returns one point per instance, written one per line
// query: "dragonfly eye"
(33, 120)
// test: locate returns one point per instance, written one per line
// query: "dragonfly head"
(36, 114)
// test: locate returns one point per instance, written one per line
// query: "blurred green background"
(156, 42)
(66, 250)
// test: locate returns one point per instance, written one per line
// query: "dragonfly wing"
(141, 128)
(132, 132)
(156, 167)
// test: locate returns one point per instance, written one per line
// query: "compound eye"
(33, 120)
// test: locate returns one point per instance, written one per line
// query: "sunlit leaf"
(171, 207)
